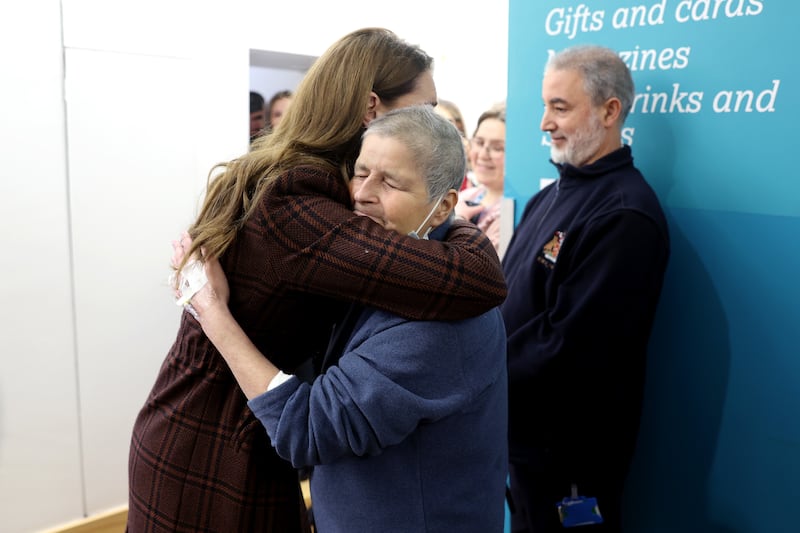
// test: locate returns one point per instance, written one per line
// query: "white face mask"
(415, 234)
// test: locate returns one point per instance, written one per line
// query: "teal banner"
(716, 111)
(714, 130)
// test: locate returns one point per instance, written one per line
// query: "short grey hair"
(433, 140)
(605, 74)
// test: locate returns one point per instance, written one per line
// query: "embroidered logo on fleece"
(551, 249)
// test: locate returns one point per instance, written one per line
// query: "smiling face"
(580, 132)
(388, 188)
(487, 153)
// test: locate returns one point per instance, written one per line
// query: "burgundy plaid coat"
(199, 460)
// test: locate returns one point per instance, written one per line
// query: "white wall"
(111, 115)
(39, 434)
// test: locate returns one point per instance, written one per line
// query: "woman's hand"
(467, 211)
(214, 294)
(207, 301)
(199, 291)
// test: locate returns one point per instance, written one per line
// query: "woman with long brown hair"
(280, 220)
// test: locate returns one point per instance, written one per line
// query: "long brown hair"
(321, 128)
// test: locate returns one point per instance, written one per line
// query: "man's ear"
(446, 206)
(373, 101)
(611, 112)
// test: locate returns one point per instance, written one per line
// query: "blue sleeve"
(375, 397)
(605, 301)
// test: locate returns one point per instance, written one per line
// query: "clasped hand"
(467, 211)
(197, 294)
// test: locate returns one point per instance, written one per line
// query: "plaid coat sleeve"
(325, 249)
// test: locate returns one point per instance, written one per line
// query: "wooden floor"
(112, 521)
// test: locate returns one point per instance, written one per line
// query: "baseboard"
(111, 521)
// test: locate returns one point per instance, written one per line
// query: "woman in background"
(481, 204)
(278, 105)
(452, 113)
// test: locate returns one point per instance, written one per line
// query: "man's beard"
(581, 145)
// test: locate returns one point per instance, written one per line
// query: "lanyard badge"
(579, 510)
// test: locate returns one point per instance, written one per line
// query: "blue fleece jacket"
(407, 433)
(584, 270)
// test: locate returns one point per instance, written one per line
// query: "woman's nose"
(362, 189)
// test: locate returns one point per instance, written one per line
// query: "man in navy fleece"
(584, 271)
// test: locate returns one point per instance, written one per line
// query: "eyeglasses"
(493, 147)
